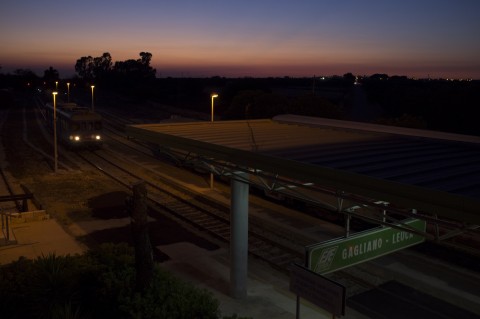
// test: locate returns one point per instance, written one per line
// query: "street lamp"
(68, 92)
(93, 107)
(55, 156)
(56, 86)
(214, 95)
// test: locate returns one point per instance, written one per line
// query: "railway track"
(207, 216)
(357, 283)
(276, 249)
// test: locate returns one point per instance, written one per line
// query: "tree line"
(429, 104)
(90, 69)
(102, 68)
(134, 77)
(439, 105)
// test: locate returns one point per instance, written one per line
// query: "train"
(77, 126)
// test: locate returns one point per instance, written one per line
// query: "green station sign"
(344, 252)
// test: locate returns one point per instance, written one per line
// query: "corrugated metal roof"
(260, 136)
(436, 161)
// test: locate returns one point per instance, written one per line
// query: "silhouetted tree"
(28, 75)
(128, 67)
(312, 105)
(349, 78)
(379, 76)
(51, 75)
(20, 79)
(146, 57)
(136, 69)
(134, 77)
(433, 104)
(131, 74)
(102, 65)
(241, 106)
(84, 67)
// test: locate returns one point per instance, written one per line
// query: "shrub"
(98, 284)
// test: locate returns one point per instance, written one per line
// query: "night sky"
(418, 38)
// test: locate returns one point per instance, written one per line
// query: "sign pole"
(317, 289)
(297, 315)
(347, 225)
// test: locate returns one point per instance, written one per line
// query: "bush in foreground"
(98, 284)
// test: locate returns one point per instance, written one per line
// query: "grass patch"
(67, 196)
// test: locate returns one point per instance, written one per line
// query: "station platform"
(268, 294)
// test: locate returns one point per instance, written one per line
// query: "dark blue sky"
(440, 38)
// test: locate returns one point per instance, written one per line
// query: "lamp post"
(93, 107)
(56, 86)
(68, 92)
(214, 95)
(55, 155)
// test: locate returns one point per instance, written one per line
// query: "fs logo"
(326, 258)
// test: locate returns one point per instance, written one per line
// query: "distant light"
(97, 137)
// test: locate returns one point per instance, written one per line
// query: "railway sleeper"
(207, 219)
(224, 234)
(182, 208)
(214, 224)
(209, 226)
(191, 215)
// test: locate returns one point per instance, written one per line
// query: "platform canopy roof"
(438, 173)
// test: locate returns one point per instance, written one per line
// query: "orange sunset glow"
(270, 38)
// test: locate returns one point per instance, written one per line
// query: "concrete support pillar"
(239, 238)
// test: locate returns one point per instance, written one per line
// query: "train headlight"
(97, 137)
(76, 138)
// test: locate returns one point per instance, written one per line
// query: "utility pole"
(138, 210)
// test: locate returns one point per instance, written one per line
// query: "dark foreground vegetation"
(97, 284)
